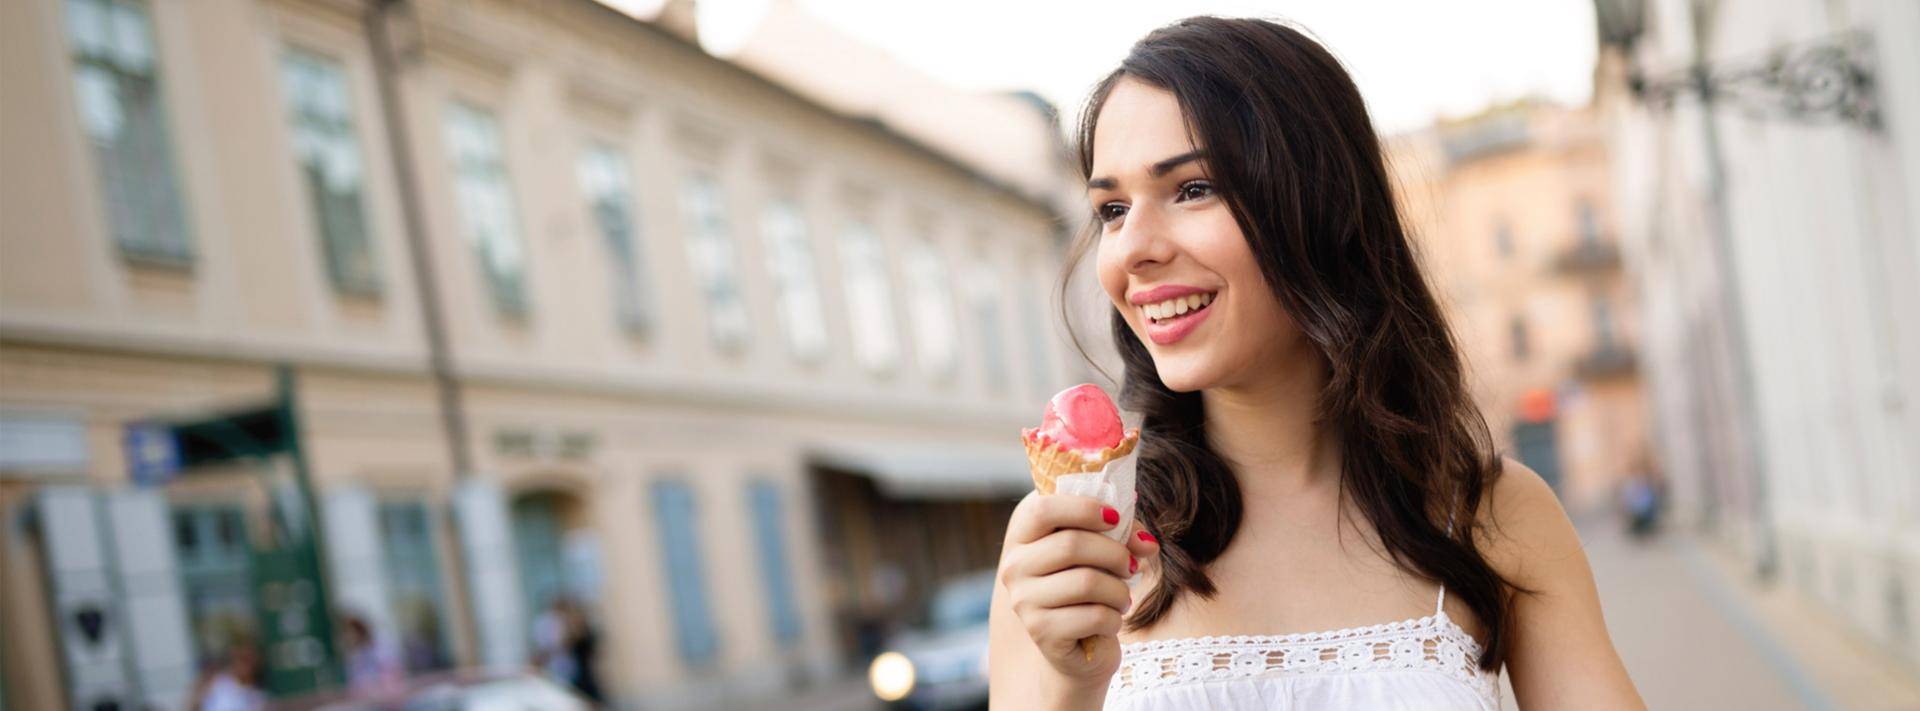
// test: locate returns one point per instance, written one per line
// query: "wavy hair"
(1292, 151)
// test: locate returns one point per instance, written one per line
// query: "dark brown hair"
(1290, 148)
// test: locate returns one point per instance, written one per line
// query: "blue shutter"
(770, 525)
(678, 522)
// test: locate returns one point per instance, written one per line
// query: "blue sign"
(153, 455)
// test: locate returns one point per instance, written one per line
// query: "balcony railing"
(1607, 361)
(1588, 257)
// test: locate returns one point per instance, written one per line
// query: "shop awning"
(911, 470)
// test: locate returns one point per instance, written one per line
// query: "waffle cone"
(1048, 460)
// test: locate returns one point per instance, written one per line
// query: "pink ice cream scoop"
(1082, 418)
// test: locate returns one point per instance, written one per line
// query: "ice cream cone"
(1048, 460)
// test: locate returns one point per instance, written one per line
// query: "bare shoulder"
(1524, 531)
(1561, 655)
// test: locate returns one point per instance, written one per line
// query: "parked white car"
(943, 666)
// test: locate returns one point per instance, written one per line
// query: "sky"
(1414, 60)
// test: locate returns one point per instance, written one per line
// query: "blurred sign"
(294, 624)
(153, 453)
(530, 444)
(42, 444)
(1537, 405)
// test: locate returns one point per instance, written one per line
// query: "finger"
(1063, 550)
(1081, 586)
(1037, 516)
(1142, 544)
(1064, 627)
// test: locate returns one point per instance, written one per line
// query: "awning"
(924, 470)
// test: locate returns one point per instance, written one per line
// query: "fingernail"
(1110, 515)
(1133, 565)
(1148, 537)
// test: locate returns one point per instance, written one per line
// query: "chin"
(1181, 375)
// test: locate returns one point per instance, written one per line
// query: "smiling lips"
(1172, 312)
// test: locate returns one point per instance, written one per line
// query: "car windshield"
(962, 603)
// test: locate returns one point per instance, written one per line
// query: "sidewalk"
(1853, 674)
(850, 694)
(1696, 634)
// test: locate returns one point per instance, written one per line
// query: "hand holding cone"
(1080, 433)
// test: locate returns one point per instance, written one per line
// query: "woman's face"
(1171, 256)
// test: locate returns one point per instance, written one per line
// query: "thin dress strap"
(1441, 600)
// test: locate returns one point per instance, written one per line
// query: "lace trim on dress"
(1433, 643)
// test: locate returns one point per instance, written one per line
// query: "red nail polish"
(1110, 515)
(1148, 537)
(1133, 565)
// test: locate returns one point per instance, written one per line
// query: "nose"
(1143, 241)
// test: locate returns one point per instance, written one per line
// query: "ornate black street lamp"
(1823, 81)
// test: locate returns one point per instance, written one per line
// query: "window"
(413, 584)
(608, 186)
(715, 268)
(116, 81)
(486, 204)
(876, 343)
(1503, 238)
(329, 154)
(770, 527)
(1589, 223)
(210, 545)
(1602, 322)
(1040, 361)
(930, 309)
(985, 304)
(1518, 330)
(790, 261)
(678, 523)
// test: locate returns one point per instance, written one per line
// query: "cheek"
(1112, 275)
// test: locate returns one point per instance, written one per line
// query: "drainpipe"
(1747, 401)
(386, 72)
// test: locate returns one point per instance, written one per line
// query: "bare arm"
(1562, 656)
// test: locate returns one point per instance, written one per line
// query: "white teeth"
(1175, 307)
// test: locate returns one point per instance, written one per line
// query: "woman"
(1324, 523)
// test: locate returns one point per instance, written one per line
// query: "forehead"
(1138, 125)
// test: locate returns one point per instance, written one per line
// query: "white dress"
(1424, 663)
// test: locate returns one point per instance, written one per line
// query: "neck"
(1269, 433)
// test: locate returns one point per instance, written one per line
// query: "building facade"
(1769, 223)
(696, 335)
(1513, 212)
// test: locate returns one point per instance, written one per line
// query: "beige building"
(1513, 212)
(720, 357)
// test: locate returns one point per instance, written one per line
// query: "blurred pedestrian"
(232, 684)
(567, 647)
(373, 666)
(1641, 496)
(583, 644)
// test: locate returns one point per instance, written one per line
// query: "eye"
(1110, 212)
(1195, 190)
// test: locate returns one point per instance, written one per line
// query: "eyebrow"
(1156, 170)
